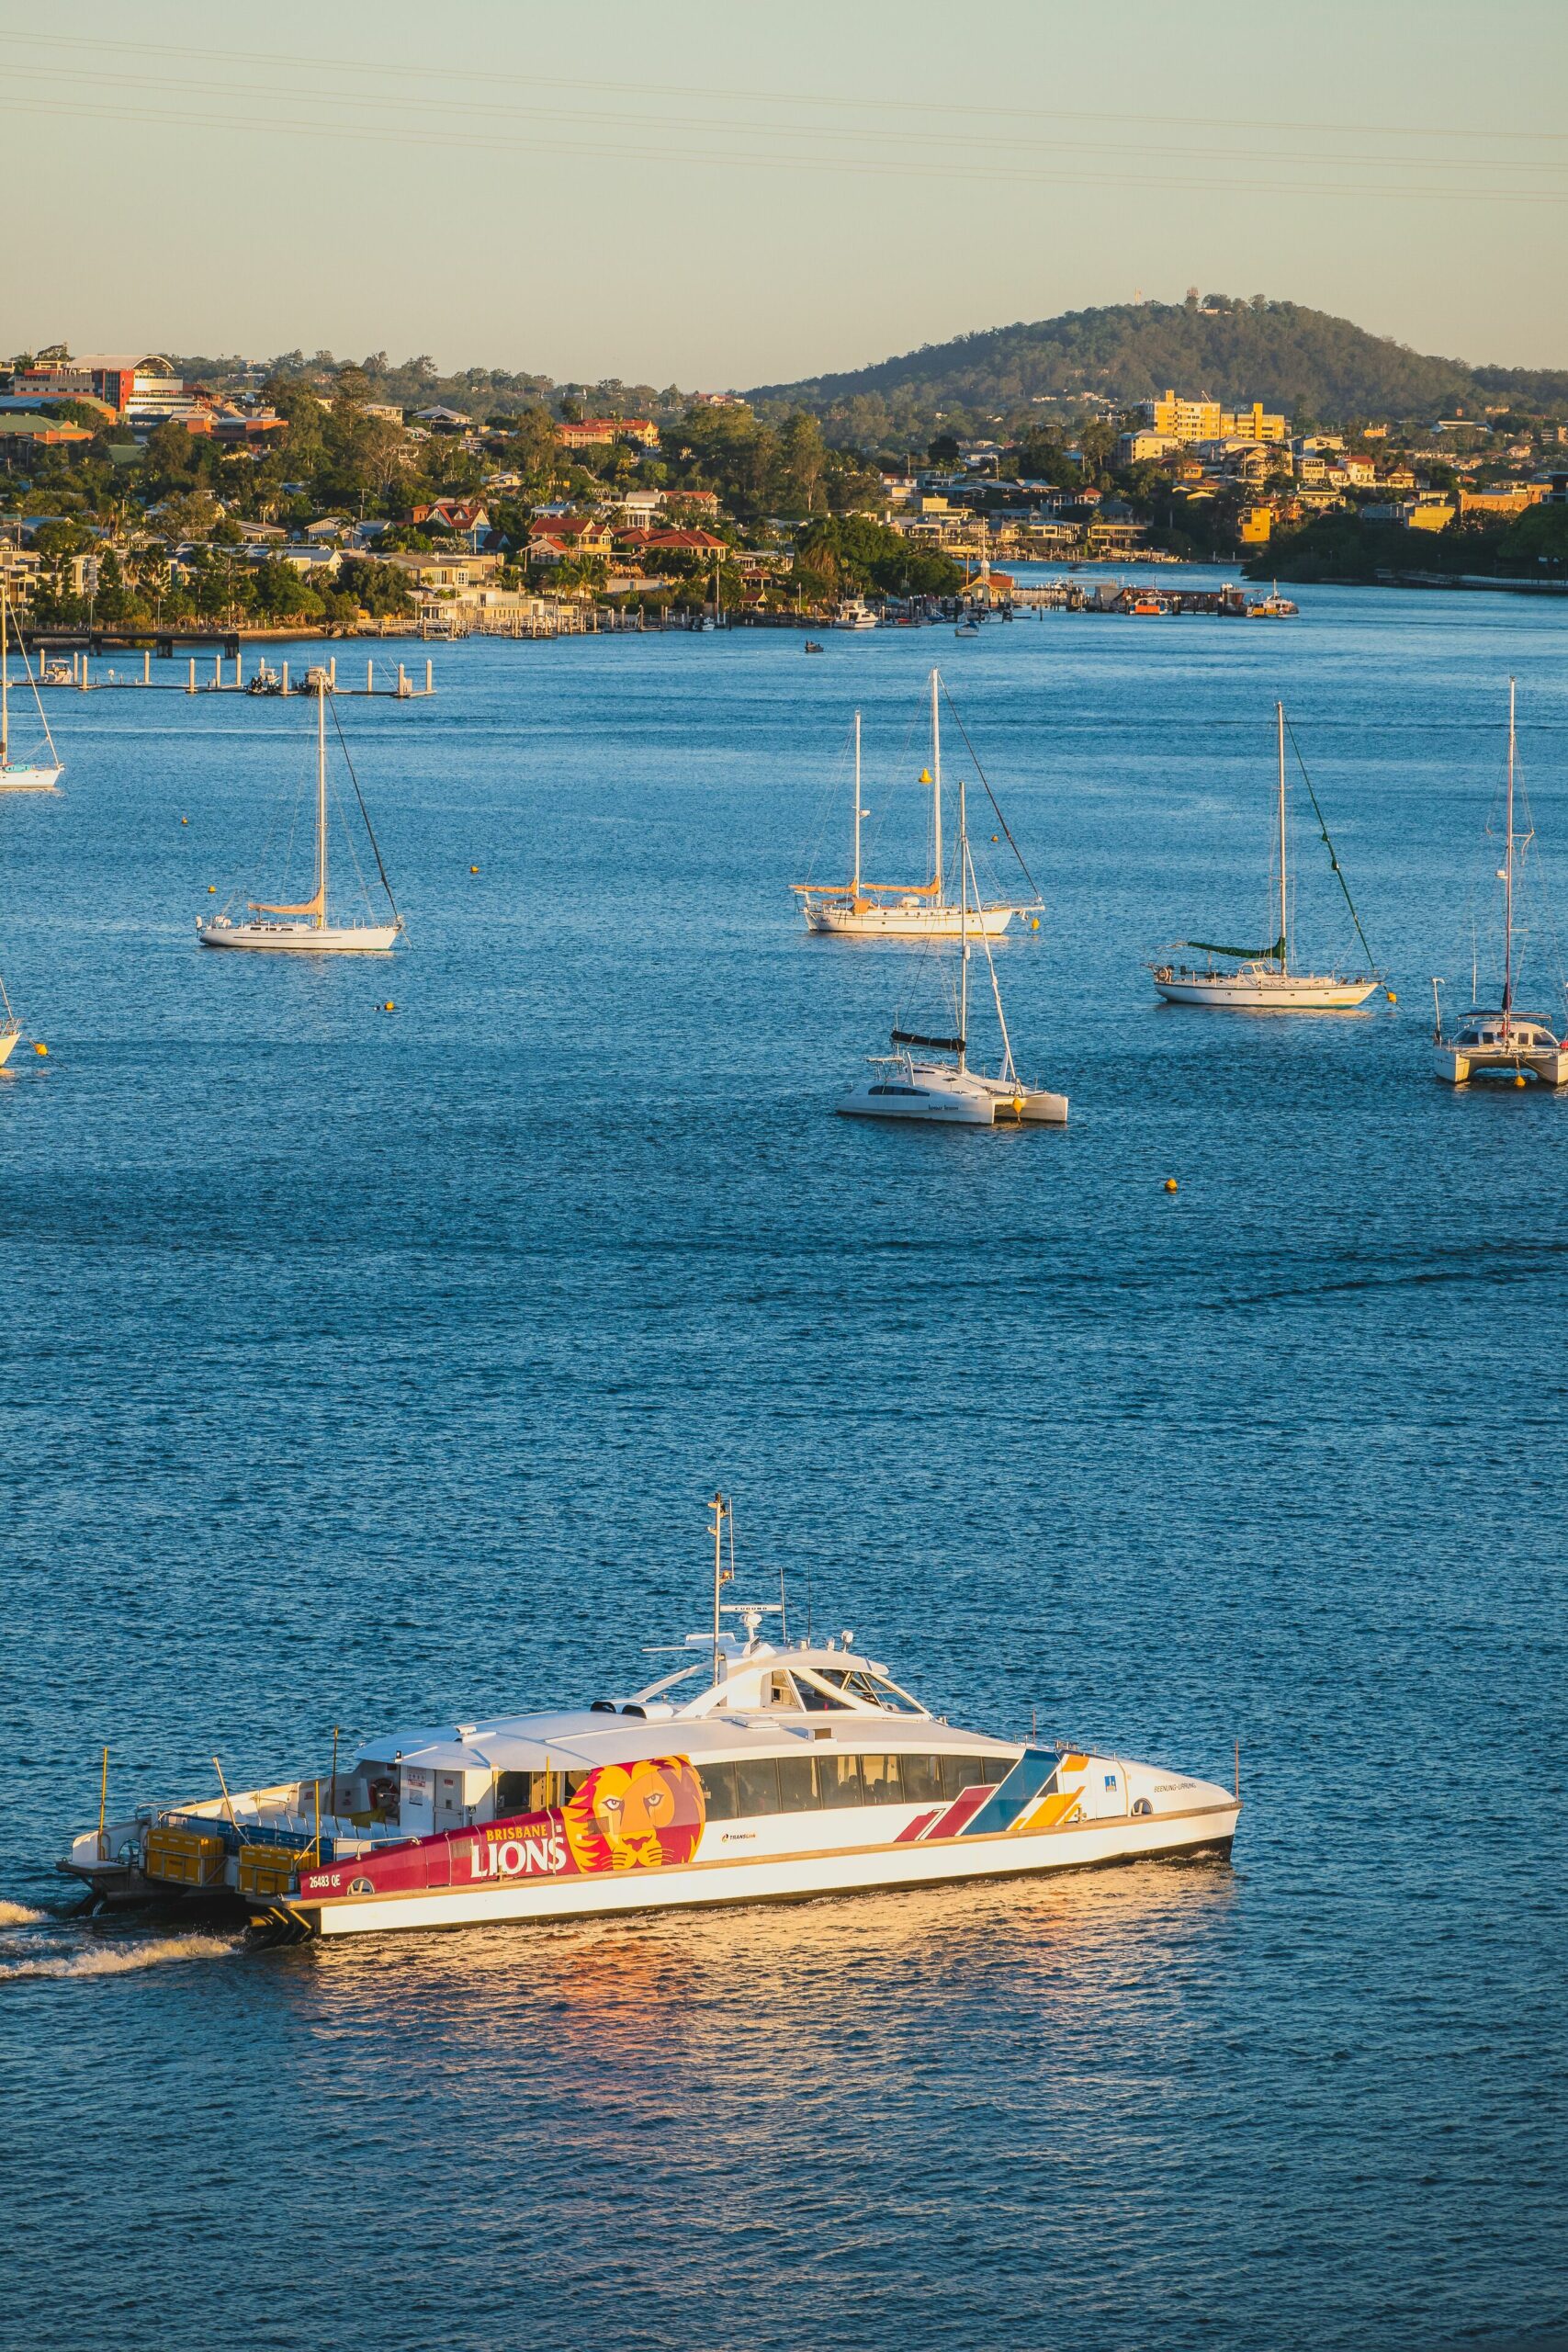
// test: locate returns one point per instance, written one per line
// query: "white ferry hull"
(300, 939)
(1287, 993)
(788, 1878)
(30, 779)
(904, 923)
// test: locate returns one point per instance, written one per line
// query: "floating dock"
(77, 677)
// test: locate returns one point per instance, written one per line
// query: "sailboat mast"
(962, 924)
(936, 780)
(1508, 875)
(321, 806)
(4, 667)
(1284, 918)
(854, 886)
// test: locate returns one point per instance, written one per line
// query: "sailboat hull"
(301, 938)
(913, 921)
(10, 1032)
(936, 1096)
(1264, 992)
(30, 779)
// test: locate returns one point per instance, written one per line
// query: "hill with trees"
(1306, 363)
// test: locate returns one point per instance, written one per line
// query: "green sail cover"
(1244, 955)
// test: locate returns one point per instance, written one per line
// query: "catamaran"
(862, 910)
(307, 927)
(1503, 1042)
(34, 776)
(1262, 978)
(758, 1769)
(929, 1077)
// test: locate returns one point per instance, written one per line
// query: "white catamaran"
(1502, 1042)
(1262, 980)
(793, 1768)
(862, 910)
(307, 927)
(929, 1077)
(24, 776)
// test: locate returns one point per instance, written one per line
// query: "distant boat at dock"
(26, 776)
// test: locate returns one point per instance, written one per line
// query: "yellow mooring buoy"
(39, 1046)
(1171, 1183)
(1518, 1078)
(1034, 923)
(185, 820)
(389, 1006)
(212, 890)
(1392, 997)
(473, 869)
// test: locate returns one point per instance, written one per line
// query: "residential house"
(443, 572)
(462, 514)
(1138, 448)
(21, 436)
(443, 420)
(1427, 511)
(1513, 498)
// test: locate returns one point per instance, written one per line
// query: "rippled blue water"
(362, 1367)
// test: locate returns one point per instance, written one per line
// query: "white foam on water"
(119, 1960)
(20, 1915)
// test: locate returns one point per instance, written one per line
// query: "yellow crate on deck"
(184, 1857)
(267, 1869)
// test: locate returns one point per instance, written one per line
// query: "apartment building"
(1183, 420)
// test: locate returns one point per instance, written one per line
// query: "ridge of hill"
(1292, 358)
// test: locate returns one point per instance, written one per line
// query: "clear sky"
(717, 192)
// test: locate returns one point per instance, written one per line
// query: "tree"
(944, 450)
(803, 455)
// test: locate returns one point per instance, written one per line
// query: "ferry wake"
(793, 1769)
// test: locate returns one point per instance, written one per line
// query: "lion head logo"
(636, 1817)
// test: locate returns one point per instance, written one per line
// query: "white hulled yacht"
(1262, 980)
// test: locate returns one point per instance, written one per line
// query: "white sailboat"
(34, 776)
(1502, 1042)
(909, 1084)
(307, 928)
(1262, 980)
(862, 910)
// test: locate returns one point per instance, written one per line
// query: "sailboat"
(308, 927)
(909, 1084)
(1263, 980)
(37, 776)
(1503, 1042)
(862, 910)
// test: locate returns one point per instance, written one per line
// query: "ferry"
(793, 1769)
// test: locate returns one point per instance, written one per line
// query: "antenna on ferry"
(722, 1513)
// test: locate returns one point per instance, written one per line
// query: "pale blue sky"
(720, 193)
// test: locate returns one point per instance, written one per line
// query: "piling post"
(238, 669)
(286, 677)
(429, 676)
(402, 683)
(369, 676)
(191, 688)
(218, 669)
(331, 672)
(147, 666)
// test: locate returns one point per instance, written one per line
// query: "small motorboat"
(811, 646)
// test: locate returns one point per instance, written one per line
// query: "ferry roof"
(722, 1717)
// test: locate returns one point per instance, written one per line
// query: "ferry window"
(879, 1778)
(514, 1793)
(798, 1788)
(815, 1700)
(922, 1779)
(756, 1785)
(718, 1791)
(961, 1773)
(866, 1687)
(837, 1780)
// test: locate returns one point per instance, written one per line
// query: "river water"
(364, 1367)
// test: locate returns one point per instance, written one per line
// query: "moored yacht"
(758, 1769)
(1262, 980)
(1502, 1042)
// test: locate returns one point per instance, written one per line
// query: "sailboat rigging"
(36, 775)
(1262, 980)
(862, 910)
(909, 1084)
(1501, 1041)
(306, 925)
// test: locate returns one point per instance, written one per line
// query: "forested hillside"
(1292, 358)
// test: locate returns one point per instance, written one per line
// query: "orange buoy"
(473, 869)
(1171, 1183)
(39, 1046)
(389, 1006)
